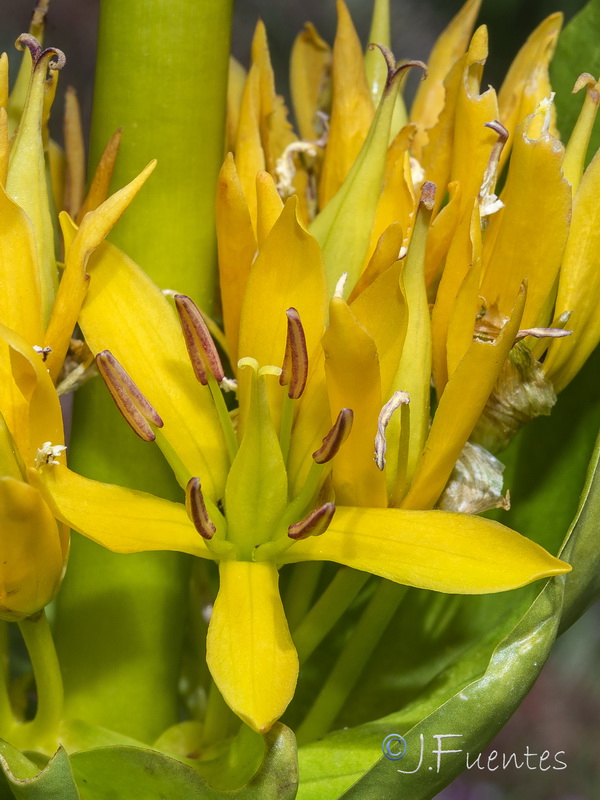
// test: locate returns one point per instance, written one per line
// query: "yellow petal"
(32, 560)
(527, 82)
(75, 155)
(236, 252)
(445, 552)
(310, 67)
(249, 153)
(537, 211)
(269, 206)
(122, 520)
(28, 401)
(235, 90)
(459, 408)
(249, 650)
(353, 381)
(579, 284)
(3, 80)
(275, 130)
(386, 252)
(441, 234)
(126, 313)
(288, 272)
(73, 286)
(99, 186)
(352, 108)
(473, 142)
(4, 141)
(20, 293)
(449, 47)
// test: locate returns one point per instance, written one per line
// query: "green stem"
(48, 681)
(218, 718)
(351, 662)
(6, 712)
(329, 608)
(300, 590)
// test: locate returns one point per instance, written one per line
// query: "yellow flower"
(37, 317)
(260, 496)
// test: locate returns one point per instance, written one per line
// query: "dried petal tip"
(196, 509)
(314, 524)
(396, 400)
(542, 333)
(336, 437)
(198, 341)
(129, 400)
(585, 79)
(295, 363)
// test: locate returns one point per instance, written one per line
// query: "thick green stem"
(351, 662)
(43, 729)
(329, 608)
(300, 590)
(6, 713)
(161, 75)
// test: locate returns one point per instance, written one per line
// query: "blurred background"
(562, 713)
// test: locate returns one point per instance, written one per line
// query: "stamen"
(196, 509)
(396, 400)
(44, 352)
(48, 453)
(130, 401)
(489, 202)
(542, 333)
(295, 362)
(335, 438)
(314, 524)
(200, 345)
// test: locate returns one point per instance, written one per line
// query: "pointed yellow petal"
(473, 142)
(449, 47)
(3, 80)
(310, 68)
(275, 130)
(249, 153)
(122, 520)
(4, 144)
(32, 560)
(537, 211)
(579, 284)
(352, 108)
(440, 237)
(98, 191)
(456, 553)
(269, 206)
(353, 381)
(527, 82)
(235, 90)
(75, 154)
(577, 147)
(126, 313)
(288, 272)
(386, 252)
(74, 283)
(249, 650)
(455, 417)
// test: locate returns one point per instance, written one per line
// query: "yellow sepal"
(249, 650)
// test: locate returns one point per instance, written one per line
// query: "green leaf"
(578, 51)
(135, 773)
(26, 781)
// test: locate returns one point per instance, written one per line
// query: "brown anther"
(336, 437)
(314, 524)
(294, 370)
(129, 400)
(198, 341)
(196, 509)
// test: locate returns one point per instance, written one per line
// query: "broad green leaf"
(136, 773)
(578, 51)
(28, 782)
